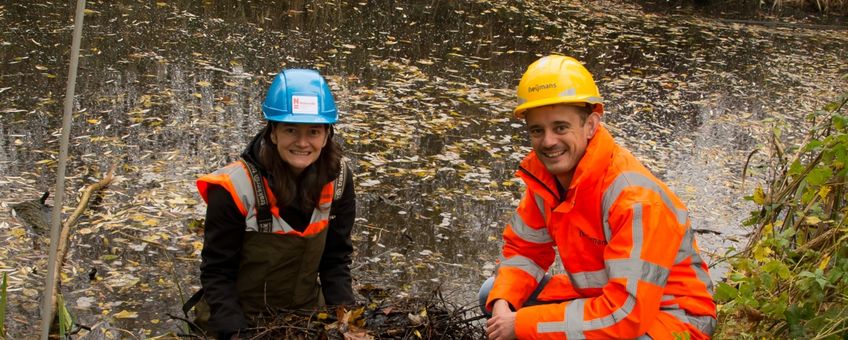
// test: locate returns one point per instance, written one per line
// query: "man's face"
(559, 136)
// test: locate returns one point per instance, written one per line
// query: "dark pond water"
(172, 90)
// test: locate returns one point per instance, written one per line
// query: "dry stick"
(48, 305)
(745, 168)
(70, 222)
(81, 206)
(816, 242)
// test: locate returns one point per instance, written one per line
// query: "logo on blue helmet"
(300, 96)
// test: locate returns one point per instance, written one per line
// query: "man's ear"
(593, 121)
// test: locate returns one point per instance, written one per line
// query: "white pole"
(47, 311)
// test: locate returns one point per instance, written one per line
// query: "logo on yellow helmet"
(540, 87)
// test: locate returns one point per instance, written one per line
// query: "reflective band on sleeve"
(589, 279)
(704, 323)
(540, 203)
(687, 250)
(617, 315)
(637, 231)
(573, 316)
(634, 179)
(525, 264)
(701, 273)
(631, 269)
(574, 325)
(528, 233)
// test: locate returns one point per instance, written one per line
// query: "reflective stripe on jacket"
(631, 260)
(234, 178)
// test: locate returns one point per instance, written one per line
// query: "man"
(631, 261)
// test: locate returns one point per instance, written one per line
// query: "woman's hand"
(501, 326)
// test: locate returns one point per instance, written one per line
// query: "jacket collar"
(589, 171)
(251, 152)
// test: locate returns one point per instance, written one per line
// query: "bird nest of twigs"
(431, 317)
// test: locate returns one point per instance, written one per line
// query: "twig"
(814, 243)
(81, 206)
(69, 223)
(745, 168)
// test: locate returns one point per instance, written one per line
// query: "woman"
(266, 246)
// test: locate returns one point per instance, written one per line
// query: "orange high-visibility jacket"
(234, 177)
(632, 264)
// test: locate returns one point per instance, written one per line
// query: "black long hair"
(301, 191)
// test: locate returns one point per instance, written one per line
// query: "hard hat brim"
(521, 109)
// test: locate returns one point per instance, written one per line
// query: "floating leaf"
(125, 314)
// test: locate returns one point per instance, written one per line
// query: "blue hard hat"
(300, 96)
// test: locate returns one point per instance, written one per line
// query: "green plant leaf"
(64, 316)
(819, 175)
(725, 292)
(775, 309)
(778, 268)
(813, 145)
(795, 168)
(794, 315)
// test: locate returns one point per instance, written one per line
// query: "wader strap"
(192, 301)
(338, 186)
(263, 210)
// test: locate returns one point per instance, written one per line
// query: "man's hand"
(501, 326)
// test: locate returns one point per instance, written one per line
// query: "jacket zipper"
(528, 173)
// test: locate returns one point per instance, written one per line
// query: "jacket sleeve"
(645, 227)
(527, 254)
(335, 262)
(222, 242)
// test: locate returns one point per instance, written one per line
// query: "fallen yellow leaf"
(125, 314)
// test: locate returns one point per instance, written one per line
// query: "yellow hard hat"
(557, 79)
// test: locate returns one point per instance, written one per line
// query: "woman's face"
(299, 144)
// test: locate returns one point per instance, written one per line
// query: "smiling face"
(299, 145)
(559, 134)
